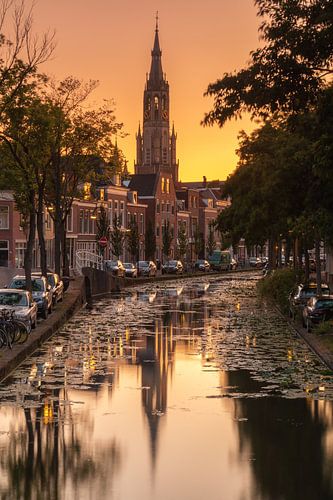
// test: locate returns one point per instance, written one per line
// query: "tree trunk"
(270, 253)
(318, 266)
(300, 255)
(57, 245)
(307, 264)
(65, 260)
(28, 254)
(279, 253)
(41, 238)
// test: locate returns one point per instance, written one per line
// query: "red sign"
(103, 241)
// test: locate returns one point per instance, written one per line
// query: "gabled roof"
(144, 184)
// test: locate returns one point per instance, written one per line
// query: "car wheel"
(45, 313)
(29, 327)
(34, 324)
(308, 326)
(50, 308)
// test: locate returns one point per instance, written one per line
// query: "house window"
(157, 206)
(168, 207)
(162, 207)
(163, 185)
(81, 221)
(168, 185)
(4, 253)
(172, 208)
(69, 221)
(86, 222)
(20, 247)
(157, 230)
(47, 221)
(141, 224)
(4, 217)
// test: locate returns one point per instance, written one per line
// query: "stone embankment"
(73, 300)
(315, 342)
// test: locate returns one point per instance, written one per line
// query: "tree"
(103, 228)
(199, 243)
(150, 241)
(79, 136)
(166, 239)
(211, 243)
(182, 241)
(116, 237)
(288, 71)
(133, 239)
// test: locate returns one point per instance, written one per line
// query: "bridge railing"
(83, 258)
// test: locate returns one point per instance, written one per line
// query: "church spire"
(156, 78)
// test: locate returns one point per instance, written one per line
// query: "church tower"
(155, 146)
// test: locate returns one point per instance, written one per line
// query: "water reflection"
(181, 382)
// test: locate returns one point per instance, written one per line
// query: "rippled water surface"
(185, 390)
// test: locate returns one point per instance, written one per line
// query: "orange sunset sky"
(111, 41)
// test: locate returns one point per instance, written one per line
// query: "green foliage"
(211, 243)
(116, 237)
(287, 72)
(323, 328)
(102, 226)
(150, 241)
(133, 240)
(199, 244)
(166, 238)
(182, 246)
(277, 286)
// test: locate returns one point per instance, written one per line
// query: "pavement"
(74, 298)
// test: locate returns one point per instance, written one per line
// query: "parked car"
(130, 270)
(255, 262)
(233, 264)
(299, 298)
(116, 267)
(41, 292)
(172, 267)
(146, 268)
(202, 265)
(21, 302)
(317, 309)
(57, 286)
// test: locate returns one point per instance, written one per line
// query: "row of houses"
(143, 197)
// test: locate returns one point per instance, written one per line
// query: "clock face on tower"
(165, 114)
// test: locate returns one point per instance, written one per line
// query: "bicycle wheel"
(3, 338)
(11, 331)
(23, 332)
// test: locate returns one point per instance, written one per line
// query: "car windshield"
(201, 261)
(143, 263)
(172, 263)
(111, 263)
(311, 292)
(321, 304)
(13, 299)
(128, 265)
(37, 284)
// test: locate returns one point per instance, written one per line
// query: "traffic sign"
(103, 241)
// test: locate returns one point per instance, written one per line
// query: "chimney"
(204, 179)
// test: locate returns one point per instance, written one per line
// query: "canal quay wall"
(74, 299)
(314, 341)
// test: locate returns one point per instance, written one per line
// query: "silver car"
(21, 302)
(41, 292)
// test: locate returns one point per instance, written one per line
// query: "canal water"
(188, 390)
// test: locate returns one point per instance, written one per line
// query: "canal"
(187, 390)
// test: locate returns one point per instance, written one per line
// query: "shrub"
(277, 286)
(323, 328)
